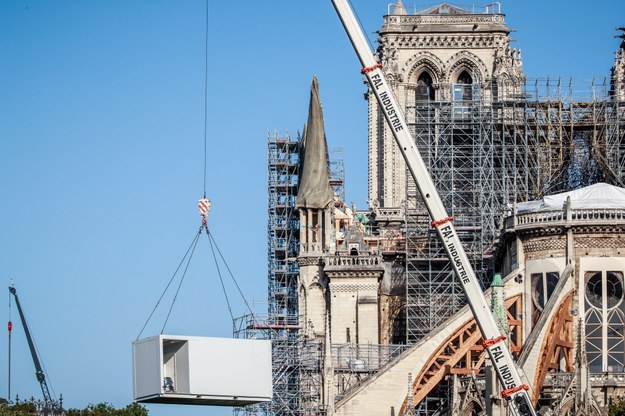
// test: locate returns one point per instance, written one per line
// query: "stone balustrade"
(442, 19)
(390, 212)
(560, 218)
(351, 261)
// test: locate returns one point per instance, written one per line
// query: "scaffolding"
(296, 364)
(454, 140)
(486, 153)
(281, 324)
(296, 361)
(282, 228)
(337, 172)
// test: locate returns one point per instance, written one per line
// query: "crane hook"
(204, 206)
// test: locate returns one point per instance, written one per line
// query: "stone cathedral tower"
(442, 54)
(339, 275)
(449, 68)
(383, 328)
(314, 202)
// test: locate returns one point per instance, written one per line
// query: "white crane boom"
(509, 375)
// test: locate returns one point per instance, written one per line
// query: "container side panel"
(146, 367)
(230, 367)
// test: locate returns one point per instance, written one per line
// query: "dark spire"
(314, 180)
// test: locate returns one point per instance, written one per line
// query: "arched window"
(543, 285)
(463, 95)
(465, 78)
(605, 321)
(424, 91)
(463, 87)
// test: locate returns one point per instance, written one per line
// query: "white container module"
(199, 370)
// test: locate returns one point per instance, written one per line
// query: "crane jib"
(388, 104)
(507, 377)
(41, 378)
(502, 360)
(507, 372)
(454, 254)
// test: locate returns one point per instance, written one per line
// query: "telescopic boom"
(509, 375)
(38, 370)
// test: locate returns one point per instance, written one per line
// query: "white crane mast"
(509, 375)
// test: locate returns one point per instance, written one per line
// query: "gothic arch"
(423, 61)
(500, 86)
(317, 307)
(557, 346)
(504, 81)
(466, 61)
(472, 407)
(567, 407)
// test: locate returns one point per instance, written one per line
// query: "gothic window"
(605, 320)
(316, 308)
(424, 90)
(543, 285)
(463, 88)
(462, 95)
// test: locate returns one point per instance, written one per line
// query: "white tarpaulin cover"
(599, 195)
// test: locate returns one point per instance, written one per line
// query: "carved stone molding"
(551, 245)
(309, 261)
(599, 242)
(416, 41)
(352, 287)
(420, 61)
(600, 229)
(466, 59)
(354, 274)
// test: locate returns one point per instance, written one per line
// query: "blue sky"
(102, 155)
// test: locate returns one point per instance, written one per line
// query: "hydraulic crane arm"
(514, 389)
(38, 370)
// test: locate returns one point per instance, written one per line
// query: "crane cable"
(221, 280)
(204, 206)
(158, 302)
(247, 305)
(197, 237)
(10, 328)
(361, 24)
(204, 201)
(205, 96)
